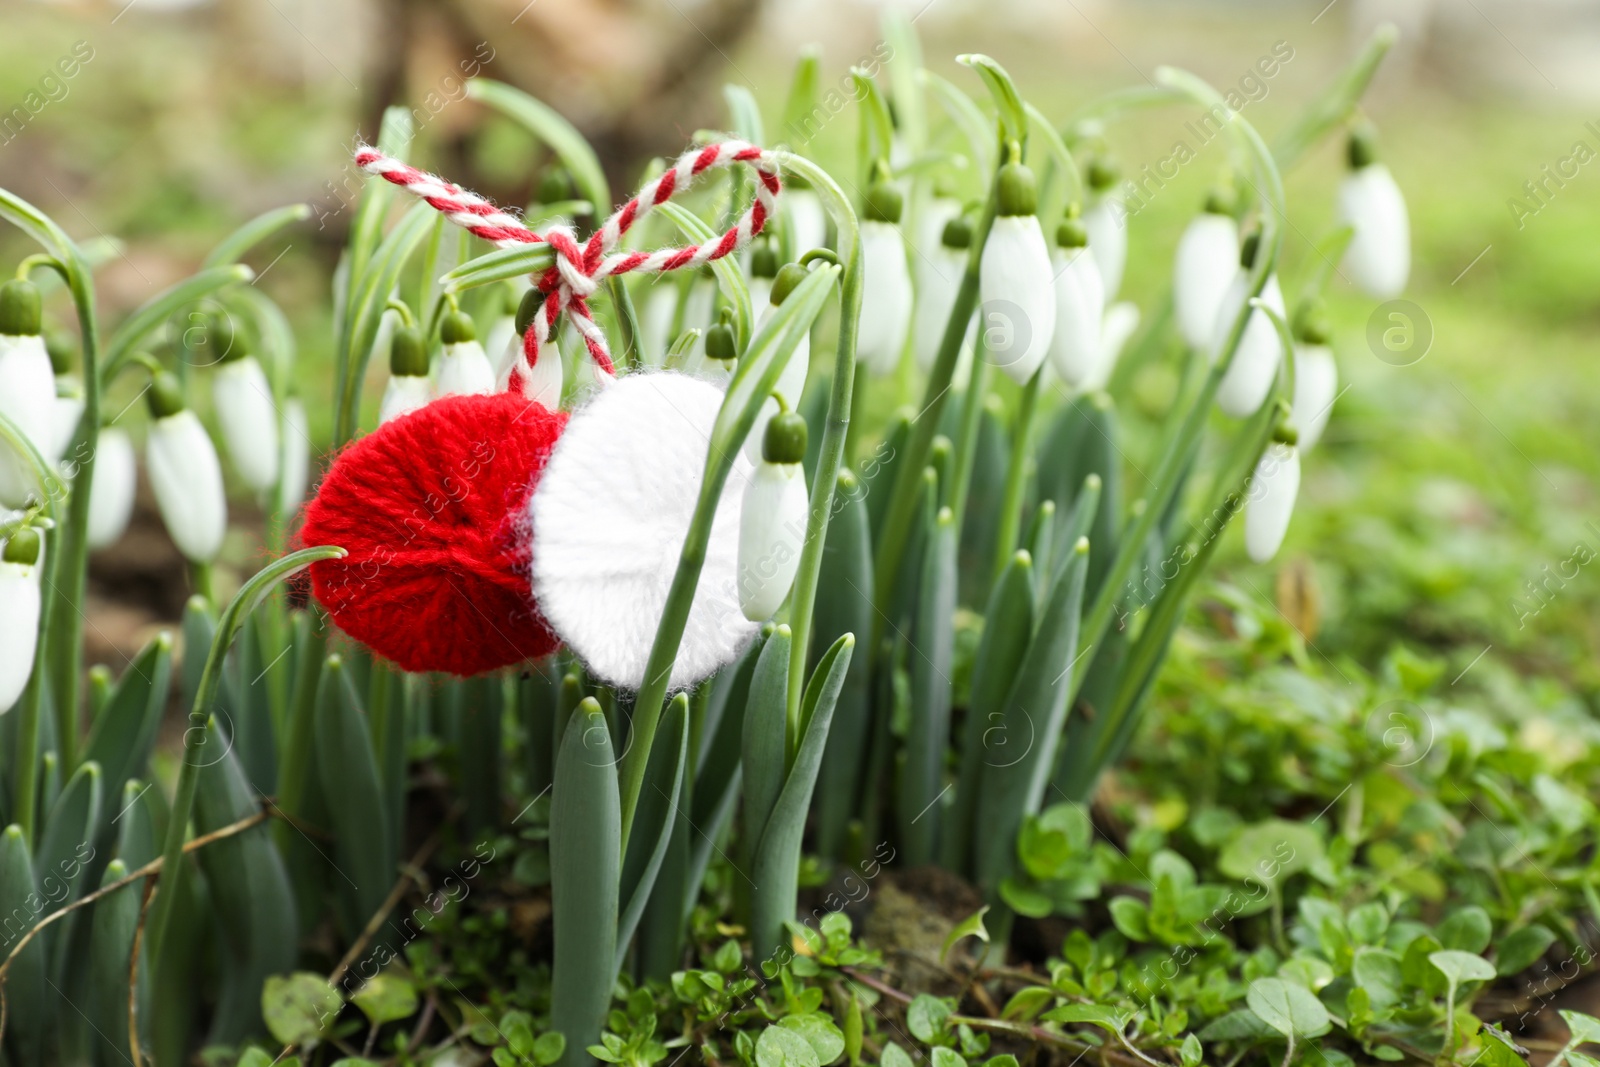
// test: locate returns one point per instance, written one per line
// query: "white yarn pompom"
(609, 517)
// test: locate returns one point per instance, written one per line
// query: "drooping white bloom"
(64, 419)
(772, 530)
(1316, 384)
(609, 516)
(544, 384)
(115, 483)
(808, 220)
(19, 614)
(248, 418)
(464, 368)
(791, 385)
(1015, 282)
(1271, 501)
(885, 297)
(28, 399)
(501, 341)
(404, 393)
(187, 480)
(1107, 223)
(938, 278)
(1122, 318)
(1076, 351)
(1378, 259)
(1207, 260)
(936, 214)
(296, 456)
(1255, 362)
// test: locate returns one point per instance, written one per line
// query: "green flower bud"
(764, 261)
(721, 342)
(957, 233)
(1102, 173)
(457, 329)
(1018, 190)
(791, 275)
(20, 312)
(1072, 233)
(166, 394)
(884, 203)
(527, 308)
(23, 547)
(408, 356)
(1248, 249)
(226, 344)
(1362, 149)
(1312, 325)
(785, 439)
(1220, 201)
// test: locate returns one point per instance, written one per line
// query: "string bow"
(579, 269)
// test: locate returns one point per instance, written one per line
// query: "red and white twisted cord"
(580, 268)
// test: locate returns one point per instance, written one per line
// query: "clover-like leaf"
(1290, 1009)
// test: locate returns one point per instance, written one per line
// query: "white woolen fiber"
(771, 532)
(885, 297)
(464, 368)
(1271, 502)
(248, 419)
(1255, 362)
(1207, 260)
(1015, 278)
(187, 480)
(19, 628)
(28, 399)
(1107, 225)
(1316, 384)
(115, 482)
(608, 520)
(1075, 349)
(402, 395)
(1378, 259)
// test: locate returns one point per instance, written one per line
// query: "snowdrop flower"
(1015, 279)
(885, 281)
(544, 382)
(1378, 259)
(69, 398)
(763, 269)
(503, 342)
(808, 220)
(1316, 376)
(296, 456)
(19, 613)
(1255, 362)
(1076, 351)
(111, 495)
(185, 473)
(721, 353)
(246, 413)
(1107, 223)
(464, 367)
(772, 524)
(408, 387)
(1272, 492)
(1207, 259)
(609, 516)
(939, 276)
(1122, 318)
(28, 395)
(792, 379)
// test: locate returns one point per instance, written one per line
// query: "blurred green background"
(1450, 493)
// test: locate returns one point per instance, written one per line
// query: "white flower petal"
(1107, 223)
(545, 383)
(1016, 285)
(609, 517)
(1316, 384)
(1075, 349)
(248, 419)
(187, 479)
(115, 483)
(19, 629)
(1378, 260)
(771, 532)
(1271, 501)
(28, 399)
(808, 220)
(791, 384)
(1255, 362)
(464, 368)
(1207, 261)
(1122, 318)
(760, 292)
(938, 277)
(885, 297)
(502, 344)
(403, 394)
(296, 457)
(64, 422)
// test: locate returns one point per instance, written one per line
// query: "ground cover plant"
(931, 622)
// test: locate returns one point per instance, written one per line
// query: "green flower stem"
(836, 430)
(1329, 251)
(1011, 501)
(960, 481)
(228, 627)
(1336, 105)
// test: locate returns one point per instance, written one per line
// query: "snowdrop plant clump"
(707, 583)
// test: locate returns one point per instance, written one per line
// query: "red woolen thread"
(431, 509)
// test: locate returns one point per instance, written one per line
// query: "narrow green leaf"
(349, 772)
(115, 918)
(730, 279)
(26, 986)
(546, 124)
(125, 731)
(1013, 116)
(764, 749)
(232, 247)
(932, 663)
(159, 309)
(500, 265)
(647, 846)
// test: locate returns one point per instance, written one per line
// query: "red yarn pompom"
(431, 509)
